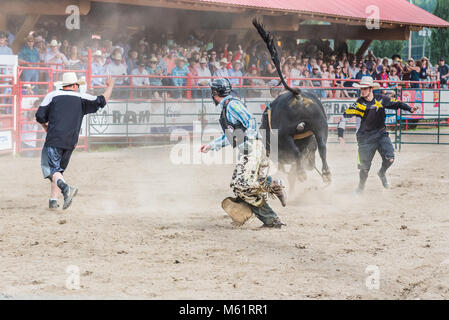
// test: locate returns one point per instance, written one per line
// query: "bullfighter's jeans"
(368, 144)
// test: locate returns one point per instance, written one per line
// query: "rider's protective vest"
(235, 133)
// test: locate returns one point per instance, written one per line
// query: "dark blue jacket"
(64, 112)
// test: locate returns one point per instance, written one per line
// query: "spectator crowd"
(166, 63)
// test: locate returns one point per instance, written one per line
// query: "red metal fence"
(7, 88)
(18, 104)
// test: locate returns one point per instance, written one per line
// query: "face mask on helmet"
(213, 96)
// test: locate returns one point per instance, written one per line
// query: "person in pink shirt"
(193, 72)
(170, 60)
(383, 76)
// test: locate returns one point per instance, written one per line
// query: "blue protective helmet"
(221, 87)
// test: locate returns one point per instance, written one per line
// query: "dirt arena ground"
(143, 228)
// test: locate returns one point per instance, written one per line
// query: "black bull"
(287, 111)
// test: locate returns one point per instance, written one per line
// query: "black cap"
(442, 59)
(3, 35)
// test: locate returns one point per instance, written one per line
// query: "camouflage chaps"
(250, 180)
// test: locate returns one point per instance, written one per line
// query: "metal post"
(18, 111)
(165, 110)
(202, 117)
(89, 70)
(410, 40)
(88, 132)
(424, 45)
(189, 86)
(130, 87)
(396, 125)
(127, 123)
(333, 91)
(439, 115)
(400, 130)
(400, 124)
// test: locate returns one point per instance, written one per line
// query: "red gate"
(6, 113)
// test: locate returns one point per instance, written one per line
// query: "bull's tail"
(266, 126)
(269, 40)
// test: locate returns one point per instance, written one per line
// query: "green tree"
(439, 40)
(353, 45)
(387, 48)
(428, 5)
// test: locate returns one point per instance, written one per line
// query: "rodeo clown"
(61, 114)
(250, 181)
(371, 133)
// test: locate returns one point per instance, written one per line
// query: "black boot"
(68, 192)
(363, 174)
(384, 179)
(276, 224)
(53, 204)
(266, 214)
(385, 165)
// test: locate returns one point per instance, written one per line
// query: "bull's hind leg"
(297, 171)
(321, 140)
(307, 148)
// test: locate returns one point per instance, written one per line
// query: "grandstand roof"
(396, 12)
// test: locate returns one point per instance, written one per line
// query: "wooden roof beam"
(361, 52)
(27, 26)
(349, 33)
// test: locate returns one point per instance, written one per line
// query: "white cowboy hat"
(53, 43)
(224, 60)
(203, 60)
(98, 53)
(367, 82)
(68, 79)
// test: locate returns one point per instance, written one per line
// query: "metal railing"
(7, 110)
(134, 116)
(430, 125)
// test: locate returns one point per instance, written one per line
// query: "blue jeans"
(30, 75)
(54, 160)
